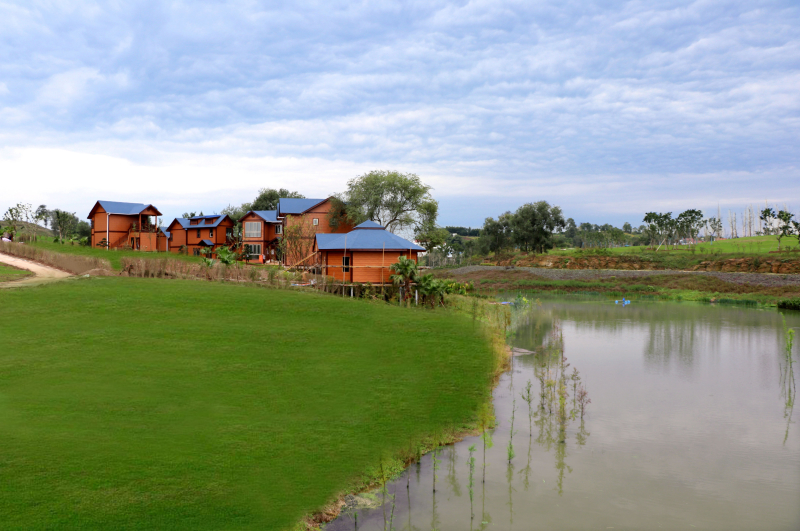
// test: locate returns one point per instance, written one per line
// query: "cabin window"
(196, 251)
(229, 232)
(278, 229)
(198, 233)
(210, 233)
(345, 264)
(315, 221)
(252, 229)
(253, 249)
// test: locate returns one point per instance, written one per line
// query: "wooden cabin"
(116, 224)
(315, 217)
(363, 254)
(261, 233)
(200, 232)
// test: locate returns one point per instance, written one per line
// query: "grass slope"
(151, 404)
(114, 256)
(12, 273)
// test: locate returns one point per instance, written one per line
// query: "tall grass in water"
(75, 264)
(471, 480)
(788, 386)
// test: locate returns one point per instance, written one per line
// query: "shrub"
(789, 304)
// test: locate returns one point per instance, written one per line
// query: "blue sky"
(608, 109)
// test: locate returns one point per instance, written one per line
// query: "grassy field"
(149, 404)
(112, 255)
(12, 273)
(755, 245)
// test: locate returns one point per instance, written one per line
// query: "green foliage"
(789, 304)
(398, 201)
(226, 256)
(533, 224)
(267, 198)
(177, 426)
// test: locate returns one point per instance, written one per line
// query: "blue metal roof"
(206, 217)
(207, 243)
(290, 205)
(369, 224)
(365, 239)
(165, 231)
(184, 222)
(270, 216)
(118, 207)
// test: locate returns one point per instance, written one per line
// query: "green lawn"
(151, 404)
(112, 255)
(12, 273)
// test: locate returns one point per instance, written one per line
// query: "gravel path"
(758, 279)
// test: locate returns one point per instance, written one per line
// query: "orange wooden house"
(263, 229)
(363, 254)
(116, 224)
(261, 233)
(198, 233)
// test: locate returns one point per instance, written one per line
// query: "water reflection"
(661, 413)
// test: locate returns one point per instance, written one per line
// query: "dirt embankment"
(776, 265)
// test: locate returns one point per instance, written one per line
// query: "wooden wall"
(367, 266)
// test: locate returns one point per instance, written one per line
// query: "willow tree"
(397, 201)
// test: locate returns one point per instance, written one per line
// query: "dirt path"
(42, 273)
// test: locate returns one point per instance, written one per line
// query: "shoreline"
(503, 354)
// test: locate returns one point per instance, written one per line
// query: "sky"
(606, 109)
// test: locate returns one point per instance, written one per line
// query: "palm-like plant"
(405, 272)
(431, 288)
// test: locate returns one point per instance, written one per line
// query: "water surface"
(690, 426)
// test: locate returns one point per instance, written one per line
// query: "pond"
(689, 426)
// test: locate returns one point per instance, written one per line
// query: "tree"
(42, 215)
(406, 271)
(267, 198)
(15, 216)
(780, 223)
(496, 234)
(297, 242)
(433, 238)
(398, 201)
(626, 227)
(690, 222)
(533, 225)
(64, 223)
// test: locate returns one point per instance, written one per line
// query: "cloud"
(511, 99)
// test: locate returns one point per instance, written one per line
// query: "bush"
(789, 304)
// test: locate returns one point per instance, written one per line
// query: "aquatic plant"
(435, 461)
(788, 386)
(583, 399)
(510, 449)
(527, 396)
(471, 480)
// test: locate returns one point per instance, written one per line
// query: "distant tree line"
(64, 224)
